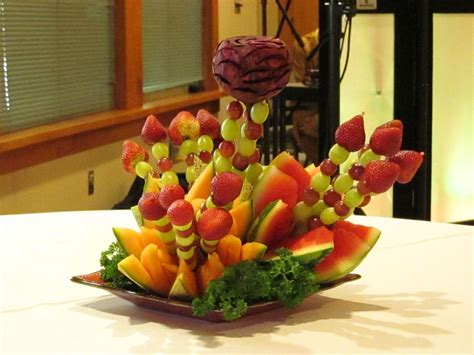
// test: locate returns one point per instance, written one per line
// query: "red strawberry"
(150, 207)
(409, 161)
(379, 175)
(181, 212)
(171, 193)
(132, 153)
(183, 126)
(225, 188)
(153, 131)
(394, 123)
(209, 124)
(214, 223)
(351, 134)
(386, 141)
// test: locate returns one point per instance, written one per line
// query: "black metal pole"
(330, 26)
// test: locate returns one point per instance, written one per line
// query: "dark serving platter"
(162, 304)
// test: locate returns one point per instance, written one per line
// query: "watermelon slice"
(274, 185)
(312, 246)
(351, 244)
(290, 166)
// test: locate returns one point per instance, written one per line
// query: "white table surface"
(415, 296)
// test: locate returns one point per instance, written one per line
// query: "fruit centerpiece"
(243, 233)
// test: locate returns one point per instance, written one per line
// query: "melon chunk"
(152, 264)
(274, 185)
(274, 223)
(201, 187)
(349, 251)
(290, 166)
(129, 240)
(134, 270)
(312, 246)
(253, 251)
(242, 215)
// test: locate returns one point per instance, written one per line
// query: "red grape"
(235, 110)
(205, 156)
(253, 130)
(190, 159)
(227, 149)
(165, 164)
(310, 197)
(362, 188)
(341, 209)
(313, 223)
(240, 161)
(331, 197)
(328, 167)
(255, 157)
(365, 201)
(356, 171)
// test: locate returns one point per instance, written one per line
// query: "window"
(172, 43)
(57, 60)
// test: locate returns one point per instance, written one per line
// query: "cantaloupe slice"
(253, 251)
(197, 203)
(312, 169)
(229, 250)
(129, 240)
(150, 236)
(134, 270)
(201, 188)
(150, 261)
(152, 184)
(185, 286)
(242, 215)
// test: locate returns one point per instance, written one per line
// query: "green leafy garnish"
(284, 279)
(109, 272)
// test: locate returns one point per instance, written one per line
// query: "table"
(415, 296)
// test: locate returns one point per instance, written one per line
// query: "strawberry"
(409, 161)
(181, 212)
(351, 134)
(150, 207)
(386, 141)
(393, 123)
(380, 175)
(170, 193)
(183, 126)
(225, 188)
(153, 131)
(209, 124)
(132, 153)
(214, 223)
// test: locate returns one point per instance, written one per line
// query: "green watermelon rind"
(310, 254)
(256, 225)
(349, 265)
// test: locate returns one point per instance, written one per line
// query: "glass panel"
(452, 187)
(368, 83)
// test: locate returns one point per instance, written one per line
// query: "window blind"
(57, 60)
(172, 43)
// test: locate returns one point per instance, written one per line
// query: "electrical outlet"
(366, 4)
(90, 182)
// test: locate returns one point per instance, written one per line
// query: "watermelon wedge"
(312, 246)
(351, 244)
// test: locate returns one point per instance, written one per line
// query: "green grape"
(230, 129)
(242, 130)
(160, 150)
(353, 198)
(189, 146)
(343, 183)
(302, 212)
(247, 146)
(338, 154)
(223, 164)
(328, 216)
(216, 154)
(237, 171)
(143, 169)
(169, 178)
(318, 207)
(259, 112)
(209, 203)
(367, 157)
(190, 174)
(320, 182)
(205, 143)
(253, 171)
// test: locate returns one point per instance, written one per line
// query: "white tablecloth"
(415, 296)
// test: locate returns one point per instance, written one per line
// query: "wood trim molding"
(37, 145)
(128, 42)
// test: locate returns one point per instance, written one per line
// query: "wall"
(62, 184)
